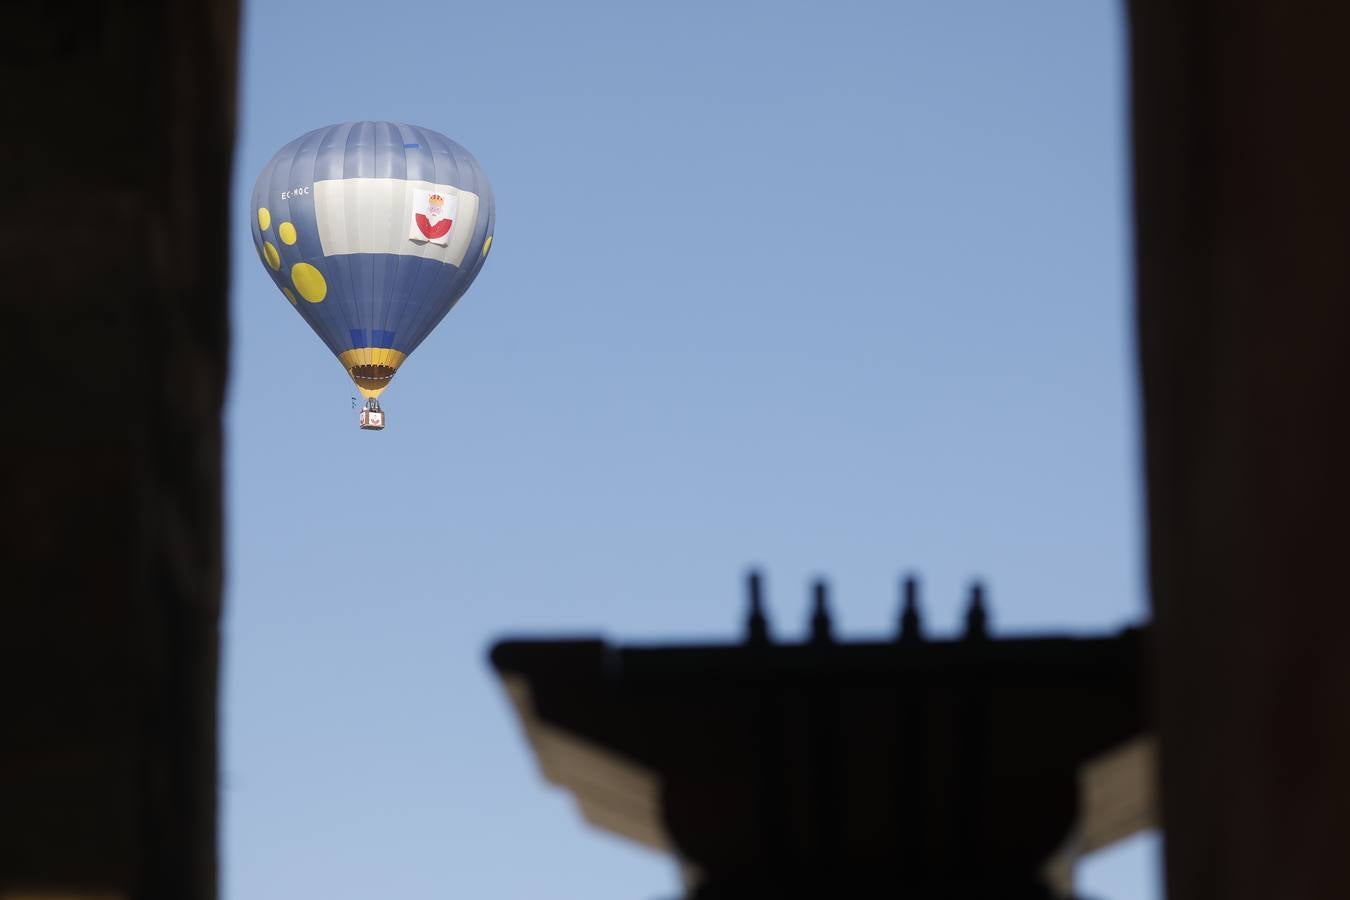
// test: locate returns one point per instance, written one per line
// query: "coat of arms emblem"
(433, 216)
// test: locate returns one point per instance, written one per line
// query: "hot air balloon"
(372, 231)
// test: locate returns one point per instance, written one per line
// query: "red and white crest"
(433, 215)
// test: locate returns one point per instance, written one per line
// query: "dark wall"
(113, 291)
(1242, 195)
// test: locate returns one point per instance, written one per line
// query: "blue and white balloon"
(373, 231)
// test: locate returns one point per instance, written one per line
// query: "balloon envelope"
(372, 231)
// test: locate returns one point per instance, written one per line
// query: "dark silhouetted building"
(907, 767)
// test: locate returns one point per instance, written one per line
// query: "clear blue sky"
(836, 288)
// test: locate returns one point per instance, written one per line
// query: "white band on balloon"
(378, 215)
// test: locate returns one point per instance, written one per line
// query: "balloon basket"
(372, 417)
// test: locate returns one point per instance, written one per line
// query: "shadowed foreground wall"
(1242, 194)
(113, 289)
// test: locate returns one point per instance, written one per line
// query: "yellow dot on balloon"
(287, 232)
(264, 218)
(271, 255)
(487, 245)
(289, 295)
(309, 282)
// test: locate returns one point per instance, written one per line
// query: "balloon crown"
(436, 200)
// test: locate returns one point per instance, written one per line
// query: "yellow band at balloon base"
(371, 368)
